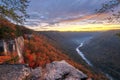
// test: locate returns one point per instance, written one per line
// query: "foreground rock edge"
(57, 70)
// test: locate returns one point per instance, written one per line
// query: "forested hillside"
(38, 49)
(106, 50)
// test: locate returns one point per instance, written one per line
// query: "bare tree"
(110, 6)
(13, 10)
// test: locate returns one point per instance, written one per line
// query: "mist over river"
(92, 49)
(80, 41)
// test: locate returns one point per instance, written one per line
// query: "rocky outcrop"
(19, 72)
(15, 45)
(13, 72)
(63, 71)
(19, 47)
(7, 47)
(58, 70)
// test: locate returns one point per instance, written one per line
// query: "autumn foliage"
(4, 58)
(39, 52)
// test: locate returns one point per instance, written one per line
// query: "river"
(82, 55)
(82, 41)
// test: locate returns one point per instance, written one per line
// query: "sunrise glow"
(88, 27)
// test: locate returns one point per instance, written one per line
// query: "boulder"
(36, 74)
(14, 72)
(61, 70)
(58, 70)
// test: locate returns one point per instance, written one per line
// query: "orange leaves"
(30, 57)
(4, 58)
(39, 52)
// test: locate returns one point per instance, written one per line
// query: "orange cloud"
(87, 17)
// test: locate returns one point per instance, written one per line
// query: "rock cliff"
(58, 70)
(63, 71)
(14, 45)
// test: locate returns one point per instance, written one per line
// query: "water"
(108, 76)
(82, 55)
(82, 41)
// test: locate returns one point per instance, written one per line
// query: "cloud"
(63, 8)
(87, 17)
(64, 11)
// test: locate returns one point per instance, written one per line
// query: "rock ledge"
(58, 70)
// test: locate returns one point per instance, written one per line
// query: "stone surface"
(13, 72)
(36, 74)
(63, 71)
(58, 70)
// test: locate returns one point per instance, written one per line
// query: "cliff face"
(19, 42)
(16, 44)
(53, 71)
(8, 47)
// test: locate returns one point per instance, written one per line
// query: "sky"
(67, 15)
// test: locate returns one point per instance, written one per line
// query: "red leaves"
(39, 52)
